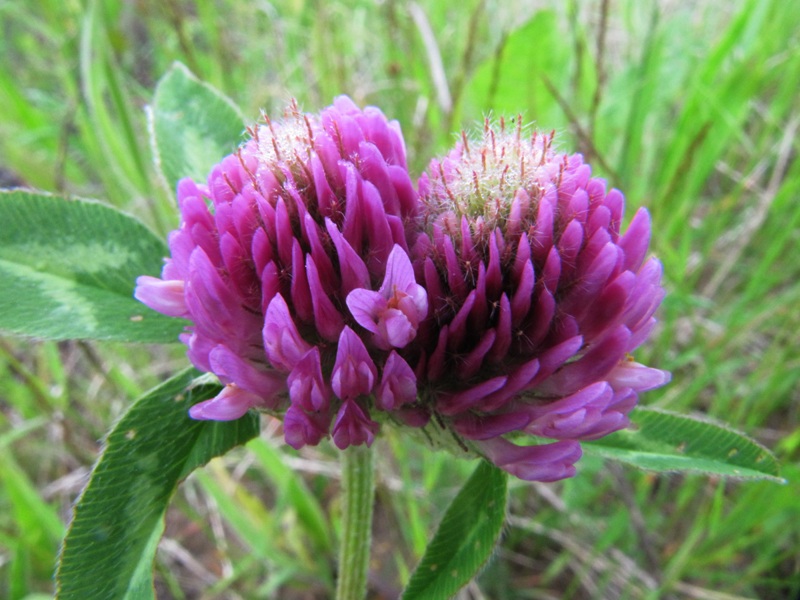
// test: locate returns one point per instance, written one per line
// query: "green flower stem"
(358, 489)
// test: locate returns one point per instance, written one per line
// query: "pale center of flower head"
(281, 141)
(483, 175)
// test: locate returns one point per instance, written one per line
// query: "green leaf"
(664, 441)
(141, 581)
(193, 126)
(69, 269)
(513, 77)
(109, 549)
(465, 539)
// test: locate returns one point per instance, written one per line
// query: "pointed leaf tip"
(465, 539)
(670, 442)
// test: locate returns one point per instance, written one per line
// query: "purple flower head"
(501, 298)
(310, 210)
(535, 300)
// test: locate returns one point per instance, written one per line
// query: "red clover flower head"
(500, 299)
(311, 214)
(536, 300)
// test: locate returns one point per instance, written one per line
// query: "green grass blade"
(512, 80)
(38, 526)
(108, 108)
(253, 523)
(294, 493)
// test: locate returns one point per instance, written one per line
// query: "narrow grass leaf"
(109, 110)
(663, 441)
(20, 431)
(513, 78)
(193, 126)
(465, 538)
(252, 521)
(36, 529)
(148, 452)
(69, 269)
(293, 492)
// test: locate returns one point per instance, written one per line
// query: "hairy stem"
(358, 489)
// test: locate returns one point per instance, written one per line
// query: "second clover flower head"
(536, 300)
(498, 299)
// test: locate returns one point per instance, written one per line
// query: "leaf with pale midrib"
(69, 269)
(111, 543)
(193, 126)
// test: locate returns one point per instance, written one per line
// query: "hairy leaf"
(69, 269)
(663, 441)
(111, 543)
(465, 538)
(193, 126)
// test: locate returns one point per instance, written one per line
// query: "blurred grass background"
(691, 109)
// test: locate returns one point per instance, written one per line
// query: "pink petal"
(353, 270)
(636, 240)
(282, 342)
(301, 428)
(230, 404)
(162, 296)
(328, 319)
(483, 427)
(354, 373)
(548, 462)
(231, 368)
(353, 426)
(454, 403)
(307, 386)
(366, 306)
(395, 330)
(399, 274)
(398, 384)
(629, 374)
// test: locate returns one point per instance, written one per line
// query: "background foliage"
(689, 108)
